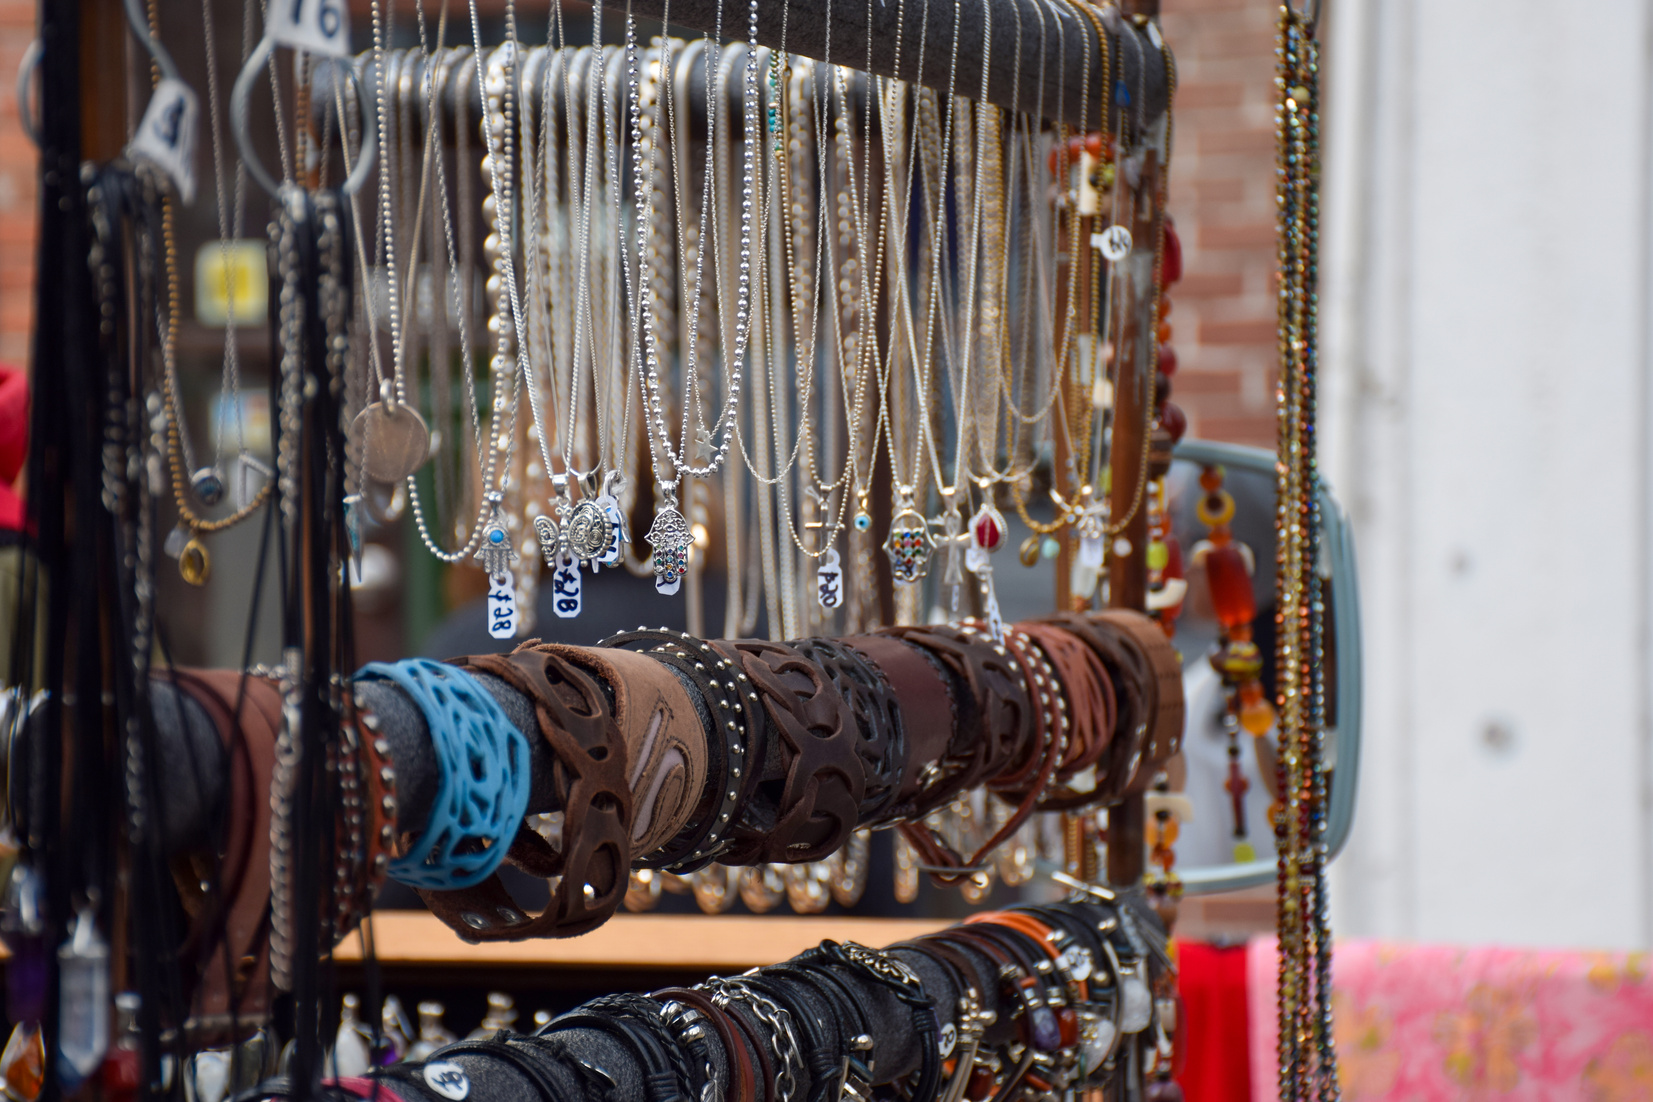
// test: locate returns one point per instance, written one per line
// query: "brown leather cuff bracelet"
(927, 714)
(594, 863)
(815, 808)
(228, 945)
(1168, 709)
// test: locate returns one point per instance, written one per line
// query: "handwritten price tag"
(566, 584)
(315, 26)
(829, 581)
(502, 606)
(166, 136)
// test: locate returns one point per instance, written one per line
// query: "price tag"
(315, 26)
(448, 1080)
(1115, 243)
(566, 583)
(618, 536)
(502, 619)
(829, 581)
(166, 136)
(947, 1040)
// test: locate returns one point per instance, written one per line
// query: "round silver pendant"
(394, 441)
(588, 530)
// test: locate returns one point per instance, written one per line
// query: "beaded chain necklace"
(1307, 1058)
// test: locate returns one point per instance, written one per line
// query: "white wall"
(1487, 423)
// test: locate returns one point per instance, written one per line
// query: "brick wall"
(17, 190)
(1222, 197)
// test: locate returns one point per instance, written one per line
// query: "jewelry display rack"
(983, 707)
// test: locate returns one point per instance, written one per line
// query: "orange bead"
(1211, 479)
(1164, 333)
(1164, 305)
(1257, 717)
(1232, 598)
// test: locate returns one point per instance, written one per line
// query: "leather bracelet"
(660, 1079)
(877, 712)
(593, 865)
(743, 1082)
(995, 718)
(1084, 676)
(227, 948)
(928, 715)
(820, 1052)
(814, 809)
(754, 1044)
(369, 801)
(735, 745)
(499, 1047)
(666, 745)
(886, 971)
(857, 1070)
(1167, 718)
(1128, 672)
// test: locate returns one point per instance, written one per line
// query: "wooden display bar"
(712, 943)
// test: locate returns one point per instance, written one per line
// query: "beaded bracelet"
(483, 791)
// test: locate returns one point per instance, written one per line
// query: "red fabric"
(14, 442)
(1215, 1035)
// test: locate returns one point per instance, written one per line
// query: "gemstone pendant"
(208, 485)
(496, 552)
(909, 545)
(670, 537)
(987, 528)
(194, 564)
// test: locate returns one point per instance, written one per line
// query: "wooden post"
(1128, 572)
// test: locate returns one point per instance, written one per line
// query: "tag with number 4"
(315, 26)
(166, 136)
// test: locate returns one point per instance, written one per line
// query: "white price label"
(166, 136)
(829, 581)
(315, 26)
(502, 615)
(995, 619)
(448, 1080)
(1115, 243)
(566, 583)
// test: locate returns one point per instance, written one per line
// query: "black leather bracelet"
(661, 1079)
(883, 970)
(499, 1047)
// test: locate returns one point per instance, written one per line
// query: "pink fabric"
(1430, 1023)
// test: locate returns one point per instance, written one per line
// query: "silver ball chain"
(660, 440)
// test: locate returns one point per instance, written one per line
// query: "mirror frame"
(1338, 548)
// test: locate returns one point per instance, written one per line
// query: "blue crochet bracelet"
(483, 792)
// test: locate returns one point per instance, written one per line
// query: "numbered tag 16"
(315, 26)
(166, 136)
(566, 582)
(502, 605)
